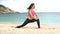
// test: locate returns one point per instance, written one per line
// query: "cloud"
(41, 5)
(2, 0)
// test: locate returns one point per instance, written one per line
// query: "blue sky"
(41, 5)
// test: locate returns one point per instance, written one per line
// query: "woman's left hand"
(36, 18)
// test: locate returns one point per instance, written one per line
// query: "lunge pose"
(32, 17)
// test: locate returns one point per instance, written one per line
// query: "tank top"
(31, 15)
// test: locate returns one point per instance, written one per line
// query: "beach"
(29, 29)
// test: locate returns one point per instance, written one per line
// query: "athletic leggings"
(29, 21)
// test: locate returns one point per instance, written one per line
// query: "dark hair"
(30, 6)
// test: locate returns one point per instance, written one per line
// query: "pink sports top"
(31, 15)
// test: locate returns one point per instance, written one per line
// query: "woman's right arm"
(30, 14)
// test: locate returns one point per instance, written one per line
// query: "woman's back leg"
(25, 23)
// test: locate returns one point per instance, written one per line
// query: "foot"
(18, 27)
(38, 27)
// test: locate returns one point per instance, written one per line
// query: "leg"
(33, 20)
(38, 23)
(25, 23)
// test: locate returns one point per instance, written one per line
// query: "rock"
(4, 10)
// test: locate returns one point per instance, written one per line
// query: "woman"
(32, 17)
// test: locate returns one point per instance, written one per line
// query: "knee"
(37, 19)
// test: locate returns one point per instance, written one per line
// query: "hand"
(36, 18)
(30, 18)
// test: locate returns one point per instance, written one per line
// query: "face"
(33, 6)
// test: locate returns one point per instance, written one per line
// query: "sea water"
(44, 17)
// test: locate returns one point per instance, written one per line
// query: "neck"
(31, 9)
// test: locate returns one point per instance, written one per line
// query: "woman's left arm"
(36, 15)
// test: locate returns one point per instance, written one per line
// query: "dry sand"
(29, 29)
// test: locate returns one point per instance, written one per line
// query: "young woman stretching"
(32, 17)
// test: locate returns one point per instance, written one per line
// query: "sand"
(29, 29)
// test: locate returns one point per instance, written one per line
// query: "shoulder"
(29, 10)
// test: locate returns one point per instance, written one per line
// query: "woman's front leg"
(38, 23)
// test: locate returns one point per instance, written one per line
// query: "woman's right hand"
(30, 18)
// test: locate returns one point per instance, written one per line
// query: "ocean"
(44, 17)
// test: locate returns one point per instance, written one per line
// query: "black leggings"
(28, 21)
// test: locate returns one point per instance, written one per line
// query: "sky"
(40, 5)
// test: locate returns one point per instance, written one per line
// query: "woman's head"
(32, 6)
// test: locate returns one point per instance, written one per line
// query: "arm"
(36, 15)
(30, 14)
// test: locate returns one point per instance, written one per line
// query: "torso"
(32, 12)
